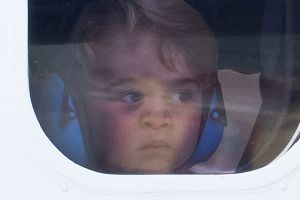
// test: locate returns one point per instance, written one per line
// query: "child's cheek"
(187, 112)
(188, 121)
(112, 121)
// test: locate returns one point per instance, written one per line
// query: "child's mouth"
(156, 145)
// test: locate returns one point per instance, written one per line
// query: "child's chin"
(157, 165)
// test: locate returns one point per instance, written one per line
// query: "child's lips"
(156, 145)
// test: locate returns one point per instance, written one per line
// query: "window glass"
(166, 87)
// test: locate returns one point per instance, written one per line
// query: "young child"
(145, 73)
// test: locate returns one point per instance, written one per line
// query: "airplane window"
(166, 87)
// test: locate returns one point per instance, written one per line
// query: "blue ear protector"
(58, 119)
(66, 135)
(213, 129)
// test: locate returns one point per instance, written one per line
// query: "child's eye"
(132, 97)
(181, 97)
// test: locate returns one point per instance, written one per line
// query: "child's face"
(145, 118)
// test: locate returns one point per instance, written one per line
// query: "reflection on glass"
(135, 89)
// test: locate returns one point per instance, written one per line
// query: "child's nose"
(156, 114)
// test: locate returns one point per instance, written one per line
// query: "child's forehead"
(148, 72)
(139, 65)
